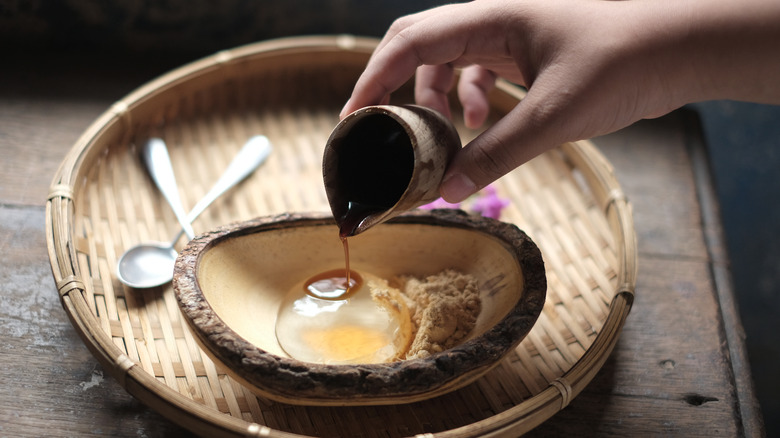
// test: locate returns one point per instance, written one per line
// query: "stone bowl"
(230, 283)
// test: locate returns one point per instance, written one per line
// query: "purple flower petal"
(489, 204)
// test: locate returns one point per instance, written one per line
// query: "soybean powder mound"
(443, 308)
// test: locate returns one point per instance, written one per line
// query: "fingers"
(389, 68)
(432, 84)
(435, 37)
(474, 85)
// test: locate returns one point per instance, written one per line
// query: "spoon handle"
(158, 162)
(251, 155)
(249, 158)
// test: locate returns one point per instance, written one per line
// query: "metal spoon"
(151, 264)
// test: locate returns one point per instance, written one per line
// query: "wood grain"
(50, 384)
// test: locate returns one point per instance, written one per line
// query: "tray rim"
(197, 417)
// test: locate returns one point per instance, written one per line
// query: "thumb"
(532, 127)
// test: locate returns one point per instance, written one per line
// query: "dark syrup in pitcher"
(375, 161)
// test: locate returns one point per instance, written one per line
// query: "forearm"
(724, 49)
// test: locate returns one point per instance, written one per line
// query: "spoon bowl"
(147, 265)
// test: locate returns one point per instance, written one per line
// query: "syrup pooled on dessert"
(333, 285)
(337, 283)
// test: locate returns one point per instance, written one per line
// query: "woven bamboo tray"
(102, 202)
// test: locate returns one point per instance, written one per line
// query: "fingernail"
(457, 187)
(344, 112)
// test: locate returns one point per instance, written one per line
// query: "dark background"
(743, 139)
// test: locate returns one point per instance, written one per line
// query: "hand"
(590, 66)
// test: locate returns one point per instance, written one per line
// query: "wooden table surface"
(679, 368)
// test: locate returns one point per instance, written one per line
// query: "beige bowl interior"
(245, 278)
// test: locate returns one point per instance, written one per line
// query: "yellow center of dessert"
(347, 343)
